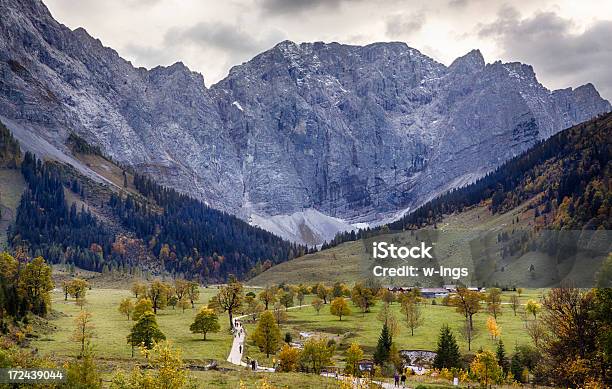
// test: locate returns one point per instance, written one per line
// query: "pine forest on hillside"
(185, 235)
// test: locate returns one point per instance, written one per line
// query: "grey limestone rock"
(359, 133)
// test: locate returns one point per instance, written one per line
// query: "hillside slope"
(344, 263)
(124, 221)
(562, 184)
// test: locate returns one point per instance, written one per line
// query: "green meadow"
(111, 328)
(364, 328)
(53, 336)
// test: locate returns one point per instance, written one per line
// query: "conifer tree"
(516, 367)
(501, 356)
(447, 353)
(383, 347)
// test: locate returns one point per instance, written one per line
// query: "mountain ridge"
(356, 133)
(561, 184)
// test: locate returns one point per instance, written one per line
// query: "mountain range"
(304, 140)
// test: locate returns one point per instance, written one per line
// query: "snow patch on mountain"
(237, 105)
(309, 227)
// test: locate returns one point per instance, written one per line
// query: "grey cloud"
(151, 56)
(231, 44)
(547, 41)
(219, 35)
(236, 43)
(401, 25)
(283, 7)
(458, 3)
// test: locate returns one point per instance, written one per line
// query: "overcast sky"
(567, 41)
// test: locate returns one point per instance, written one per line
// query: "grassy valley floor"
(111, 328)
(54, 335)
(365, 328)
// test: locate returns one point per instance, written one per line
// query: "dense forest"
(192, 238)
(80, 145)
(567, 175)
(182, 234)
(50, 228)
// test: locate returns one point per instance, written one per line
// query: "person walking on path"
(403, 379)
(396, 379)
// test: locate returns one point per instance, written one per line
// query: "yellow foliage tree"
(184, 303)
(412, 313)
(317, 353)
(126, 307)
(339, 307)
(158, 293)
(485, 368)
(77, 288)
(36, 283)
(317, 304)
(83, 372)
(142, 306)
(139, 289)
(493, 327)
(289, 358)
(267, 335)
(533, 307)
(167, 370)
(83, 331)
(353, 355)
(205, 321)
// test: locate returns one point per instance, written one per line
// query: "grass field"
(108, 170)
(11, 188)
(112, 351)
(340, 263)
(365, 328)
(111, 328)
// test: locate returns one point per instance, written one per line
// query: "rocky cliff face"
(349, 134)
